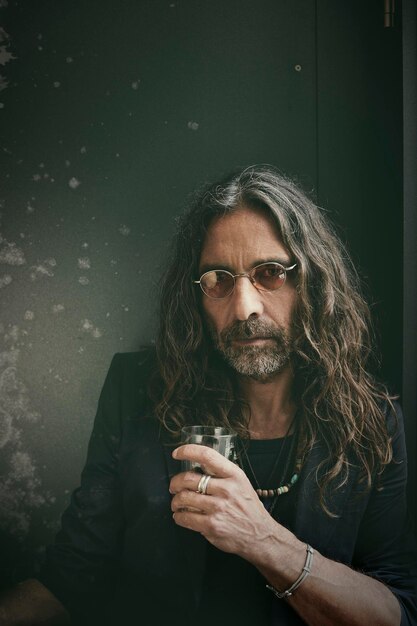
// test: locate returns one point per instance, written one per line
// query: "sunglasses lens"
(269, 276)
(217, 283)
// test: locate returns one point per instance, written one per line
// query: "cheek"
(212, 315)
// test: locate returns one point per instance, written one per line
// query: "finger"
(213, 462)
(191, 520)
(190, 499)
(185, 480)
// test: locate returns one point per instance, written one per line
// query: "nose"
(246, 300)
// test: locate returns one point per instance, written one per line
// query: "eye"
(269, 270)
(269, 276)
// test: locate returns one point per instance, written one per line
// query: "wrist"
(281, 557)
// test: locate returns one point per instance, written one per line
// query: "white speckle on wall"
(84, 263)
(57, 308)
(69, 59)
(74, 182)
(43, 269)
(30, 208)
(124, 230)
(88, 327)
(83, 280)
(10, 254)
(57, 84)
(83, 150)
(29, 315)
(135, 84)
(5, 56)
(193, 125)
(3, 35)
(36, 177)
(5, 280)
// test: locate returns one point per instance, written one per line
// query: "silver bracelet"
(305, 572)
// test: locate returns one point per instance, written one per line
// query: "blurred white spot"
(5, 56)
(84, 263)
(43, 269)
(36, 177)
(83, 280)
(29, 315)
(88, 327)
(41, 165)
(5, 280)
(74, 183)
(10, 254)
(58, 308)
(69, 59)
(135, 84)
(193, 125)
(84, 245)
(57, 84)
(3, 35)
(67, 163)
(40, 36)
(113, 262)
(83, 150)
(30, 208)
(124, 230)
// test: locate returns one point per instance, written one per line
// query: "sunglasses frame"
(250, 275)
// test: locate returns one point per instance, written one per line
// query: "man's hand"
(230, 515)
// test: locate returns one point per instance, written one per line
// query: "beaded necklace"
(283, 487)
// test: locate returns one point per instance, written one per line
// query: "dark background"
(111, 113)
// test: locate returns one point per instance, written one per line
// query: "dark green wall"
(114, 112)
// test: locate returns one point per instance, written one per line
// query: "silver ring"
(203, 484)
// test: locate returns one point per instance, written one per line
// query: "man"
(262, 330)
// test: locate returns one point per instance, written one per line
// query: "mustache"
(247, 329)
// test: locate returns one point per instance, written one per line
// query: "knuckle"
(189, 480)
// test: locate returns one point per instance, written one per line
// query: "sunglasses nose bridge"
(250, 275)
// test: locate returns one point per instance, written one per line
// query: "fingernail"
(174, 454)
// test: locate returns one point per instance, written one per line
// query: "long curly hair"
(338, 399)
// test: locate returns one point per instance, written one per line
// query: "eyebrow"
(217, 266)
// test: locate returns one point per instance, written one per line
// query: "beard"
(260, 362)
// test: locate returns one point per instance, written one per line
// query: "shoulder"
(132, 366)
(127, 380)
(142, 360)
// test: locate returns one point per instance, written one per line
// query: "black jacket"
(120, 559)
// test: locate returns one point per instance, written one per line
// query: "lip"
(252, 340)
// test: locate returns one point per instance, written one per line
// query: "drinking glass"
(221, 439)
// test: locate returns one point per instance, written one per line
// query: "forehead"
(241, 239)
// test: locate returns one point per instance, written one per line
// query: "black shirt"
(234, 590)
